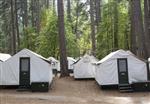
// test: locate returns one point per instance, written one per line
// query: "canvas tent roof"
(43, 58)
(70, 58)
(4, 57)
(52, 59)
(55, 63)
(115, 54)
(93, 60)
(149, 59)
(91, 57)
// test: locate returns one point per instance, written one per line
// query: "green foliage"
(78, 31)
(106, 34)
(85, 41)
(28, 39)
(48, 37)
(72, 45)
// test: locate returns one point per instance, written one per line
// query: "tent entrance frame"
(123, 77)
(24, 76)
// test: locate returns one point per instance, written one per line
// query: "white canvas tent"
(71, 61)
(85, 68)
(148, 59)
(25, 68)
(111, 70)
(3, 57)
(55, 63)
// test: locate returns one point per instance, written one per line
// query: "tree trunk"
(17, 25)
(13, 28)
(62, 41)
(47, 4)
(133, 45)
(147, 26)
(54, 5)
(98, 13)
(68, 10)
(126, 37)
(77, 19)
(116, 24)
(35, 6)
(26, 13)
(92, 27)
(32, 13)
(38, 16)
(137, 27)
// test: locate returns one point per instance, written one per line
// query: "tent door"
(122, 70)
(25, 72)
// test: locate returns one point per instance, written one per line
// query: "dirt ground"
(70, 91)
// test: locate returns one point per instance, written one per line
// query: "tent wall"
(137, 70)
(0, 71)
(56, 66)
(107, 72)
(84, 68)
(40, 71)
(55, 63)
(70, 64)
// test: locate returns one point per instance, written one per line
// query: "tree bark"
(32, 13)
(133, 37)
(116, 25)
(77, 19)
(25, 13)
(62, 41)
(137, 28)
(92, 27)
(36, 9)
(69, 10)
(17, 26)
(147, 26)
(47, 4)
(13, 28)
(98, 13)
(54, 5)
(38, 16)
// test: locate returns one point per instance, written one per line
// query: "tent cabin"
(55, 64)
(71, 61)
(121, 68)
(3, 57)
(27, 69)
(84, 68)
